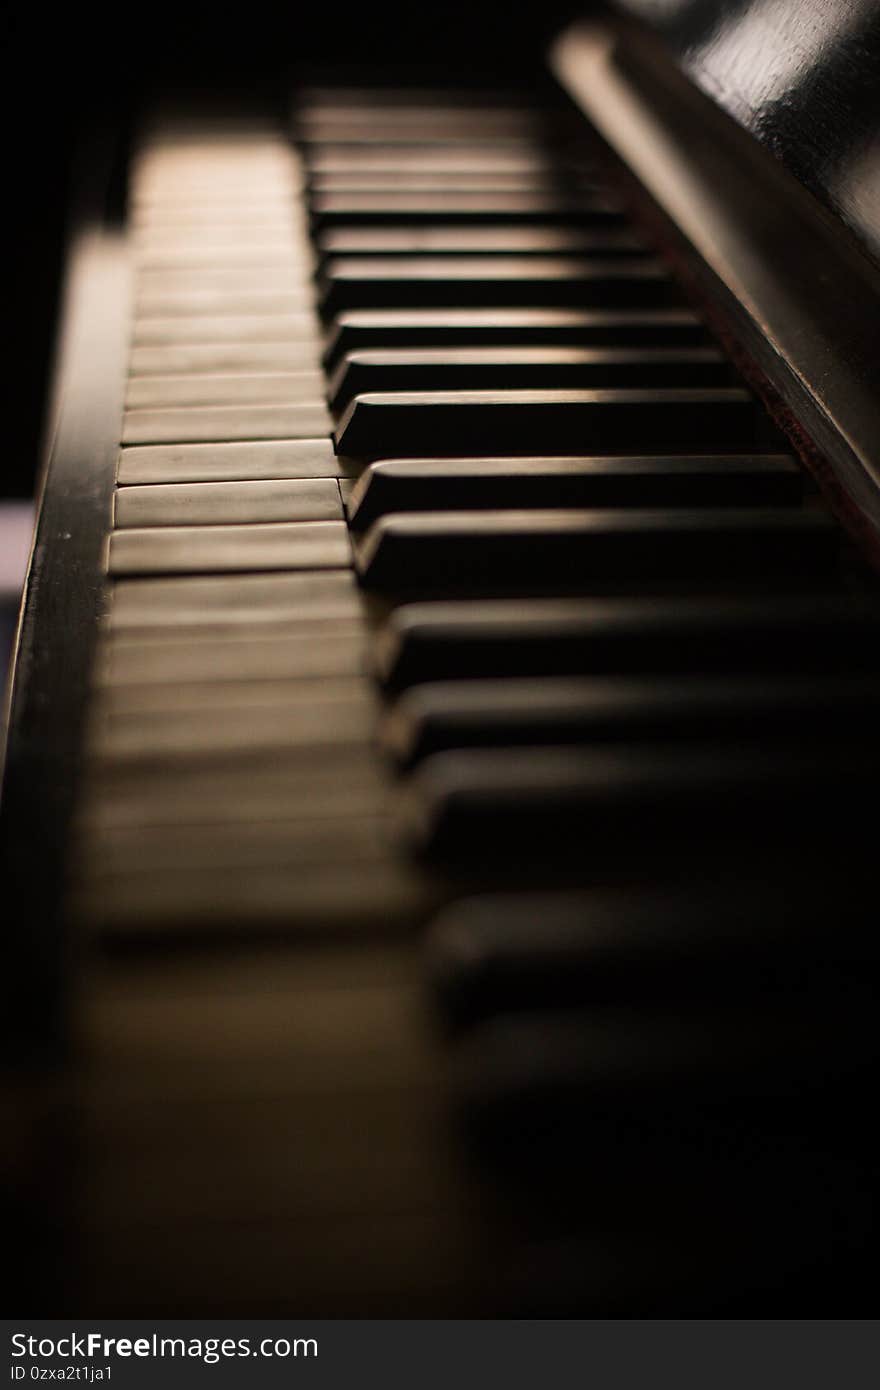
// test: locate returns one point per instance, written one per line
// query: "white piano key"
(232, 462)
(223, 302)
(274, 388)
(237, 328)
(213, 504)
(207, 790)
(205, 424)
(308, 900)
(336, 650)
(317, 722)
(178, 359)
(230, 549)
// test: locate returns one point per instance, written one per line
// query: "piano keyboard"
(475, 738)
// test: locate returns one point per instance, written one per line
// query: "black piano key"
(375, 282)
(595, 804)
(435, 718)
(711, 1132)
(523, 552)
(411, 423)
(500, 369)
(478, 241)
(507, 952)
(426, 485)
(463, 328)
(563, 1084)
(405, 209)
(469, 640)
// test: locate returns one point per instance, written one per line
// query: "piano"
(438, 844)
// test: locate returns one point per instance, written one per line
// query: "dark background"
(70, 70)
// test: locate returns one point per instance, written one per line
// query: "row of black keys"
(487, 381)
(551, 722)
(526, 525)
(504, 379)
(563, 739)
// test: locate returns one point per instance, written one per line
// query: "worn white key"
(204, 424)
(248, 180)
(235, 280)
(266, 786)
(307, 900)
(198, 185)
(216, 251)
(237, 328)
(319, 721)
(336, 650)
(185, 183)
(120, 850)
(265, 208)
(235, 462)
(205, 156)
(241, 233)
(176, 359)
(214, 504)
(220, 303)
(166, 700)
(204, 255)
(230, 549)
(242, 601)
(274, 388)
(291, 843)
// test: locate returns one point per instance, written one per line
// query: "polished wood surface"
(769, 265)
(802, 78)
